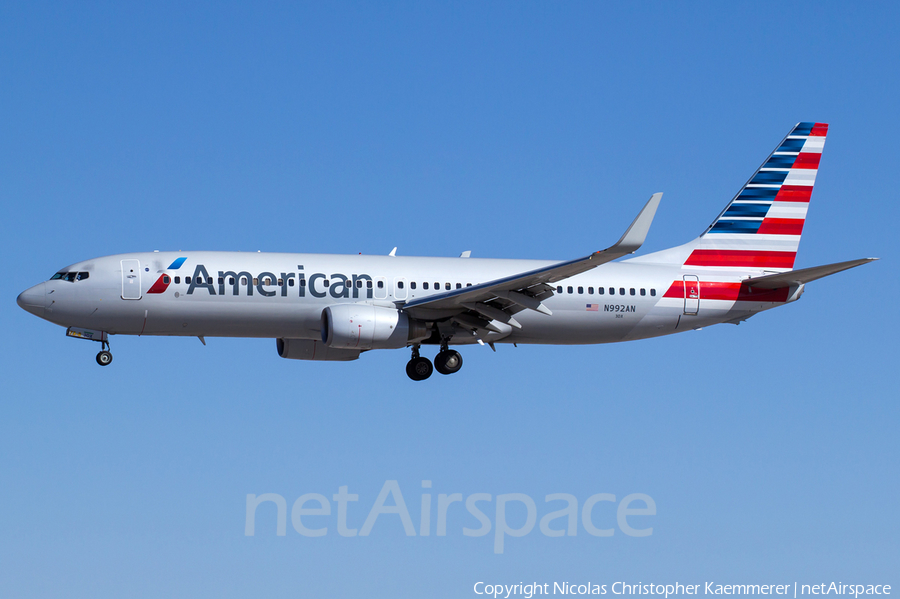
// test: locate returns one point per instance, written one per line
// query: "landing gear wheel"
(104, 358)
(448, 361)
(419, 369)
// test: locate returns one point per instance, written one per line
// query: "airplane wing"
(803, 275)
(501, 298)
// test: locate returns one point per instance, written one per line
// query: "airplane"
(335, 307)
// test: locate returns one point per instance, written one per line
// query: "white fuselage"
(284, 295)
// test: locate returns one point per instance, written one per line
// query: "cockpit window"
(71, 277)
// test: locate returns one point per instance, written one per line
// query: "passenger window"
(209, 280)
(243, 280)
(82, 276)
(621, 291)
(643, 291)
(221, 280)
(381, 284)
(399, 284)
(368, 284)
(290, 282)
(166, 279)
(256, 281)
(653, 292)
(437, 286)
(327, 283)
(559, 289)
(281, 282)
(612, 290)
(590, 291)
(359, 284)
(600, 290)
(631, 291)
(447, 286)
(230, 280)
(178, 280)
(581, 291)
(303, 283)
(412, 285)
(425, 285)
(187, 280)
(569, 289)
(459, 285)
(468, 284)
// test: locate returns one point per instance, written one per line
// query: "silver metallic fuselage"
(220, 308)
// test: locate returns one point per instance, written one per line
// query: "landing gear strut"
(104, 358)
(448, 360)
(418, 368)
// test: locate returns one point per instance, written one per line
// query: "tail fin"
(761, 226)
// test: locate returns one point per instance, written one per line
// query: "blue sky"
(529, 130)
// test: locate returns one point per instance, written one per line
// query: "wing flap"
(528, 289)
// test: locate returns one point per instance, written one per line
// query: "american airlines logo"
(269, 284)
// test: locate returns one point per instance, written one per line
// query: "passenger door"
(691, 295)
(131, 279)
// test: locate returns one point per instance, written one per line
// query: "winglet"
(634, 237)
(393, 253)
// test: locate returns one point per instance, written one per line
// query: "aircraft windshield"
(71, 277)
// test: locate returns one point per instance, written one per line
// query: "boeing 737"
(335, 307)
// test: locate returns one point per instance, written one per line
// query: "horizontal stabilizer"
(803, 275)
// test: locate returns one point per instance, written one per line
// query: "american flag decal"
(593, 307)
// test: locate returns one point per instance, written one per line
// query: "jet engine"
(361, 327)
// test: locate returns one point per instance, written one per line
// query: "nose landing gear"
(418, 368)
(104, 358)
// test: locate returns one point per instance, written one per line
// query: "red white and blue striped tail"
(761, 227)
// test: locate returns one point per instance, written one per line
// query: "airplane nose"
(33, 300)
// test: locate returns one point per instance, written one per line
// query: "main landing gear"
(447, 361)
(104, 358)
(418, 368)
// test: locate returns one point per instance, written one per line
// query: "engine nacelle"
(312, 349)
(361, 327)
